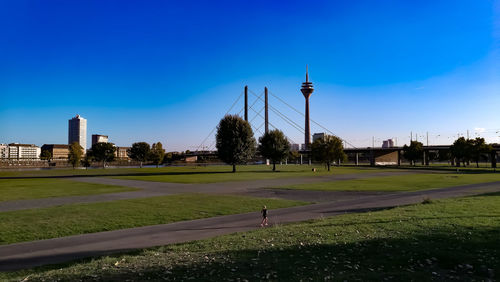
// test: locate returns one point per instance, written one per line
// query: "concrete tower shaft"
(307, 89)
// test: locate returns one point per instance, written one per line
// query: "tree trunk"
(477, 163)
(328, 165)
(274, 166)
(140, 164)
(103, 164)
(234, 168)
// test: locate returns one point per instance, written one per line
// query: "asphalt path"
(153, 189)
(59, 250)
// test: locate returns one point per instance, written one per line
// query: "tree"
(413, 152)
(328, 149)
(140, 152)
(234, 140)
(46, 155)
(479, 147)
(75, 154)
(461, 150)
(274, 146)
(294, 156)
(87, 159)
(103, 152)
(157, 153)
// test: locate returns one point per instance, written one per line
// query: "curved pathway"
(30, 254)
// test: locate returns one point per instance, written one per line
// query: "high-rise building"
(97, 138)
(389, 143)
(77, 131)
(317, 136)
(307, 89)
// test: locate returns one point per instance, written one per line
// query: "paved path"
(30, 254)
(153, 189)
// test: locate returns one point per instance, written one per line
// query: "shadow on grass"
(443, 254)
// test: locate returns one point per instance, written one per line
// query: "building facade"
(77, 131)
(4, 151)
(389, 143)
(22, 151)
(121, 153)
(58, 151)
(97, 138)
(317, 136)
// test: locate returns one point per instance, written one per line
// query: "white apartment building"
(4, 151)
(77, 131)
(22, 152)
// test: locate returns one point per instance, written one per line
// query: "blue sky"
(168, 71)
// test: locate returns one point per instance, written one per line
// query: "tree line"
(463, 151)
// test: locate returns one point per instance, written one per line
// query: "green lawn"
(195, 174)
(411, 182)
(223, 173)
(52, 222)
(22, 189)
(454, 239)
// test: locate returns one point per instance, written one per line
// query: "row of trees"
(462, 151)
(106, 152)
(236, 144)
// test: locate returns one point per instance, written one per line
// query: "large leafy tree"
(274, 146)
(328, 149)
(87, 159)
(75, 154)
(461, 150)
(234, 141)
(140, 151)
(103, 152)
(157, 153)
(479, 148)
(413, 152)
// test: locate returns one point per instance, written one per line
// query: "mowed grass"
(195, 174)
(250, 172)
(23, 189)
(410, 182)
(53, 222)
(453, 239)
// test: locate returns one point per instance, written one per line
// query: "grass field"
(22, 189)
(411, 182)
(59, 221)
(453, 239)
(194, 174)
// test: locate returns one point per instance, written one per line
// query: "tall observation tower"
(307, 89)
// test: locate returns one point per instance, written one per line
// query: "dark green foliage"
(103, 152)
(328, 150)
(234, 141)
(140, 151)
(274, 146)
(87, 159)
(413, 152)
(480, 148)
(46, 155)
(157, 153)
(75, 154)
(461, 150)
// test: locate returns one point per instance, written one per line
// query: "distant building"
(23, 151)
(389, 143)
(121, 153)
(303, 147)
(96, 138)
(317, 136)
(294, 147)
(77, 131)
(4, 151)
(58, 151)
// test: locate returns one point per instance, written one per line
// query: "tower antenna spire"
(307, 74)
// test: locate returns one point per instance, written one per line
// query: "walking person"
(264, 216)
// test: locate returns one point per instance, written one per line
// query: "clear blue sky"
(168, 71)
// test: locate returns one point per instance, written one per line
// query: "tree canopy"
(157, 153)
(234, 141)
(461, 150)
(479, 148)
(328, 149)
(46, 155)
(274, 146)
(75, 154)
(140, 151)
(103, 152)
(413, 152)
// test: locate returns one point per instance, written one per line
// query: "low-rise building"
(121, 153)
(23, 151)
(389, 143)
(97, 138)
(294, 147)
(317, 136)
(58, 151)
(4, 151)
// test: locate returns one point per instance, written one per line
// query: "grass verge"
(23, 189)
(53, 222)
(453, 239)
(412, 182)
